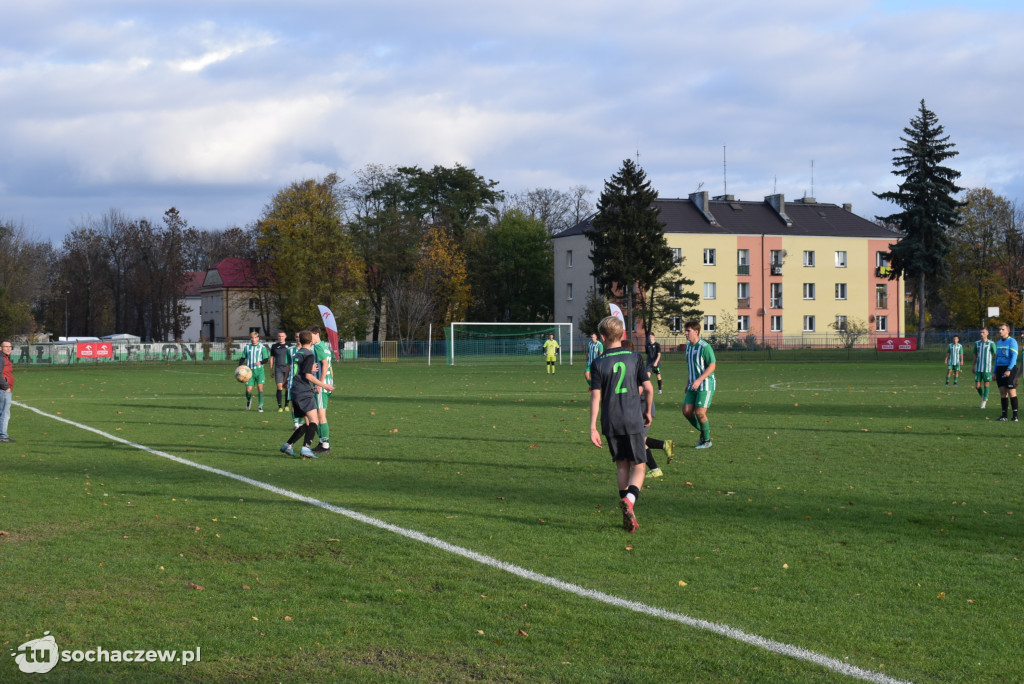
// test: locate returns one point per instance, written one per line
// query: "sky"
(213, 106)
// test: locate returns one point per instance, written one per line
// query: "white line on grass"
(724, 630)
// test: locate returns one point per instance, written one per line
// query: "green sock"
(260, 397)
(693, 421)
(985, 395)
(248, 397)
(705, 430)
(324, 432)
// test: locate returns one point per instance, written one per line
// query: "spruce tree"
(628, 246)
(929, 209)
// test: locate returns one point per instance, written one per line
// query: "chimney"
(700, 201)
(848, 207)
(778, 203)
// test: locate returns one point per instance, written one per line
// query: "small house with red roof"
(231, 305)
(192, 304)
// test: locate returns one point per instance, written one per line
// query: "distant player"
(304, 380)
(954, 359)
(984, 362)
(322, 351)
(616, 378)
(1006, 370)
(700, 362)
(550, 353)
(653, 350)
(254, 355)
(280, 360)
(594, 349)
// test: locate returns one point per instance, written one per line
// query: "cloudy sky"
(212, 106)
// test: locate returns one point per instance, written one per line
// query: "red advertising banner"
(95, 350)
(896, 344)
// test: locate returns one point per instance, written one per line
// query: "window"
(675, 324)
(710, 324)
(808, 290)
(568, 259)
(743, 295)
(568, 291)
(743, 262)
(808, 258)
(254, 304)
(882, 323)
(840, 259)
(882, 267)
(677, 255)
(775, 296)
(840, 290)
(881, 296)
(808, 323)
(675, 290)
(743, 324)
(776, 257)
(840, 323)
(710, 290)
(709, 257)
(776, 323)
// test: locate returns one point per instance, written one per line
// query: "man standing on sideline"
(653, 350)
(254, 355)
(550, 350)
(616, 379)
(280, 360)
(323, 354)
(700, 362)
(954, 359)
(6, 388)
(984, 359)
(1006, 371)
(594, 349)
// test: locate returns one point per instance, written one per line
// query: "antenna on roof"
(775, 184)
(638, 154)
(725, 176)
(812, 178)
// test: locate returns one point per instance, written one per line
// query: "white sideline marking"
(724, 630)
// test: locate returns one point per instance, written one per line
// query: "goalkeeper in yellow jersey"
(550, 352)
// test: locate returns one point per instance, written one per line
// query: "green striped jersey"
(984, 356)
(956, 353)
(254, 355)
(698, 357)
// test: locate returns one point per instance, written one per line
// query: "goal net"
(474, 342)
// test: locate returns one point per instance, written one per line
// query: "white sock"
(632, 497)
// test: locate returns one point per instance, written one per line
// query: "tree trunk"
(920, 312)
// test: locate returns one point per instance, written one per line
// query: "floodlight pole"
(67, 293)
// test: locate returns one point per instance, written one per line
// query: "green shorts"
(954, 367)
(322, 398)
(258, 374)
(701, 399)
(982, 377)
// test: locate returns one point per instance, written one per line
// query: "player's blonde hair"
(610, 328)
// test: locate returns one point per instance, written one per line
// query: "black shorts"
(303, 404)
(1010, 381)
(281, 374)
(627, 447)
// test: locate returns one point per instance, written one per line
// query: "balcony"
(743, 269)
(775, 303)
(743, 303)
(777, 269)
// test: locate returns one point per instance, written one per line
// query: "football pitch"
(853, 521)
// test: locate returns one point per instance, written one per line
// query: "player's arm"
(708, 370)
(595, 409)
(648, 402)
(241, 359)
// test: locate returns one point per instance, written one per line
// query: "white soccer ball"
(243, 373)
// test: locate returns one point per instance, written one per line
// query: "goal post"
(478, 342)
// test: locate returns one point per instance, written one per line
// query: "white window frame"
(742, 290)
(677, 255)
(675, 324)
(841, 260)
(809, 258)
(568, 292)
(743, 324)
(809, 291)
(775, 295)
(809, 323)
(742, 257)
(841, 323)
(841, 291)
(712, 288)
(776, 323)
(710, 256)
(710, 323)
(568, 258)
(882, 323)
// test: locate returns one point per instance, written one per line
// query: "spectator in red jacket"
(6, 385)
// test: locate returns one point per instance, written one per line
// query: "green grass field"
(861, 511)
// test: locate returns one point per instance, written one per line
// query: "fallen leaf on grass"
(287, 618)
(522, 633)
(682, 583)
(334, 540)
(197, 587)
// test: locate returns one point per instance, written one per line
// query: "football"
(243, 373)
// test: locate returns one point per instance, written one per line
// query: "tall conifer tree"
(929, 209)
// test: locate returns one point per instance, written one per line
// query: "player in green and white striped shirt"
(253, 356)
(984, 365)
(954, 359)
(700, 360)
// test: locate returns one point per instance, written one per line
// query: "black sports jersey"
(652, 349)
(302, 364)
(279, 352)
(619, 373)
